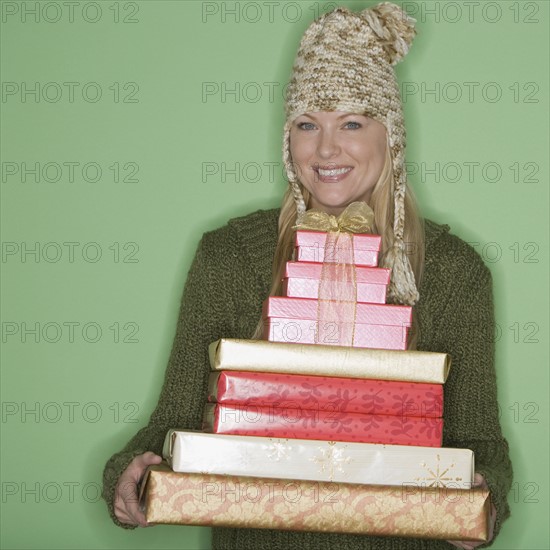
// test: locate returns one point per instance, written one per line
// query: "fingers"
(137, 467)
(126, 503)
(479, 481)
(146, 459)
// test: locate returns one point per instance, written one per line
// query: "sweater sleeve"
(471, 409)
(207, 312)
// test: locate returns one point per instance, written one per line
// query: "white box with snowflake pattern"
(316, 460)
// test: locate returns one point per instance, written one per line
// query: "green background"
(93, 391)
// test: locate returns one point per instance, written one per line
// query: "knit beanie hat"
(345, 63)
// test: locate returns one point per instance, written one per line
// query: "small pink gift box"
(310, 247)
(302, 281)
(381, 326)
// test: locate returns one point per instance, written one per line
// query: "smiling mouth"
(332, 174)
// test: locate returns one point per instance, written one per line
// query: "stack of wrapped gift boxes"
(320, 436)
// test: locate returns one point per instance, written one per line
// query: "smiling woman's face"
(338, 157)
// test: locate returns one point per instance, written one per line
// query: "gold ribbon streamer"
(337, 296)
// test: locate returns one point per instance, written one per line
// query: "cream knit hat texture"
(345, 63)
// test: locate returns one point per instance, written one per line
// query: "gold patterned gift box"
(315, 460)
(253, 502)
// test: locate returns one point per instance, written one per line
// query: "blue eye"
(302, 125)
(357, 125)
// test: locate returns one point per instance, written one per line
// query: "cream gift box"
(315, 460)
(322, 360)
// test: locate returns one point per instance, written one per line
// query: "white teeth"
(333, 172)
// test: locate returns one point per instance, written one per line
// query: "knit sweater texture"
(227, 283)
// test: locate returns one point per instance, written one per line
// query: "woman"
(344, 141)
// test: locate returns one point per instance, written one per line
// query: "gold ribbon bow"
(337, 296)
(358, 217)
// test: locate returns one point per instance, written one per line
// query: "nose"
(328, 145)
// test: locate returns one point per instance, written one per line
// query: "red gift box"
(310, 247)
(322, 425)
(302, 281)
(327, 393)
(294, 320)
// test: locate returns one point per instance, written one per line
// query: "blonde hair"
(382, 202)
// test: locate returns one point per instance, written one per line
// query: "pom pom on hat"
(394, 28)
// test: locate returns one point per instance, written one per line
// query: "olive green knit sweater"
(226, 285)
